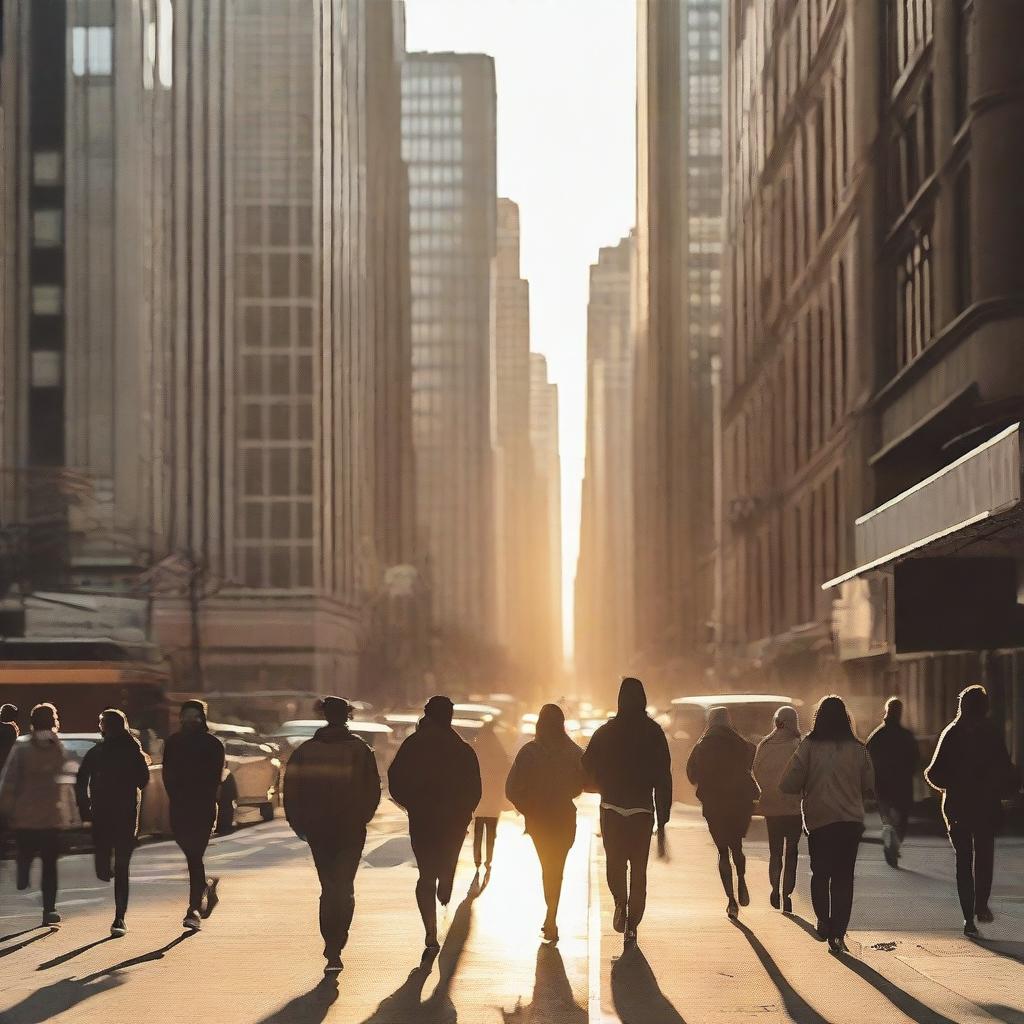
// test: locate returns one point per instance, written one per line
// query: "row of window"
(285, 374)
(283, 471)
(413, 105)
(433, 127)
(911, 25)
(259, 225)
(275, 275)
(280, 326)
(436, 174)
(416, 83)
(284, 566)
(426, 148)
(272, 419)
(277, 519)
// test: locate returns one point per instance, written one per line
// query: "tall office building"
(512, 436)
(604, 575)
(546, 546)
(448, 129)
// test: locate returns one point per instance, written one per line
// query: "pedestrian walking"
(493, 771)
(781, 810)
(193, 767)
(435, 776)
(627, 761)
(831, 770)
(9, 731)
(331, 793)
(972, 769)
(896, 761)
(110, 777)
(719, 766)
(30, 804)
(546, 776)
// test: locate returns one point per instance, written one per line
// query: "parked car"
(254, 777)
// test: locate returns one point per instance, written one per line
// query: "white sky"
(566, 72)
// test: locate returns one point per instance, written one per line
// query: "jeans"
(113, 856)
(833, 850)
(484, 832)
(43, 843)
(894, 826)
(783, 847)
(627, 844)
(336, 865)
(194, 845)
(975, 848)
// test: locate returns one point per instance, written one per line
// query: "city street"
(258, 958)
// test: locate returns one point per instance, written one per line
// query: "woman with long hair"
(831, 770)
(719, 766)
(546, 776)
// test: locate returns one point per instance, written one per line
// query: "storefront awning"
(975, 497)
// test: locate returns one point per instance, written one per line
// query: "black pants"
(551, 852)
(975, 848)
(783, 847)
(485, 830)
(43, 843)
(112, 855)
(336, 865)
(627, 844)
(193, 845)
(833, 850)
(437, 856)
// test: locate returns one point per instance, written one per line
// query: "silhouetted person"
(435, 776)
(493, 770)
(628, 763)
(30, 803)
(331, 792)
(896, 761)
(546, 776)
(973, 771)
(781, 810)
(193, 766)
(9, 731)
(832, 771)
(110, 777)
(719, 766)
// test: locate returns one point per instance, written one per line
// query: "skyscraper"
(448, 128)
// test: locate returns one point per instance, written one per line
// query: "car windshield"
(78, 748)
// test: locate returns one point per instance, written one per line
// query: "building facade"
(604, 575)
(449, 144)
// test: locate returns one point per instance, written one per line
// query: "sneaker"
(212, 899)
(118, 928)
(629, 938)
(619, 918)
(774, 898)
(985, 916)
(971, 929)
(837, 947)
(821, 928)
(431, 941)
(787, 904)
(51, 919)
(334, 965)
(742, 892)
(192, 921)
(550, 932)
(732, 910)
(23, 875)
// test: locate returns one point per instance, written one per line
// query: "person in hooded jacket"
(546, 776)
(9, 731)
(781, 810)
(435, 776)
(30, 804)
(895, 757)
(627, 761)
(493, 771)
(193, 767)
(719, 766)
(107, 790)
(972, 769)
(331, 793)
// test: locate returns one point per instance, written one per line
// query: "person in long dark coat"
(896, 761)
(720, 767)
(972, 769)
(331, 793)
(107, 788)
(546, 776)
(435, 776)
(193, 767)
(9, 731)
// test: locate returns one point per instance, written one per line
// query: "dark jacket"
(435, 776)
(544, 780)
(193, 766)
(331, 786)
(8, 736)
(720, 767)
(108, 783)
(973, 770)
(628, 761)
(896, 761)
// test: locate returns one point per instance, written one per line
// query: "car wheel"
(267, 811)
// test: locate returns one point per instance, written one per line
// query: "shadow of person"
(310, 1008)
(1007, 1014)
(805, 926)
(18, 935)
(796, 1006)
(50, 1000)
(65, 957)
(637, 997)
(903, 1001)
(1004, 948)
(27, 942)
(390, 854)
(553, 1000)
(143, 958)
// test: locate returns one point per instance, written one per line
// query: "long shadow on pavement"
(796, 1006)
(65, 957)
(1004, 948)
(636, 994)
(1007, 1014)
(310, 1008)
(27, 942)
(17, 935)
(143, 958)
(903, 1001)
(553, 1001)
(390, 853)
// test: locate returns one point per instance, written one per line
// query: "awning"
(976, 497)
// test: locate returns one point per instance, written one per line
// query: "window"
(965, 43)
(47, 228)
(47, 299)
(46, 368)
(92, 50)
(914, 300)
(962, 228)
(47, 168)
